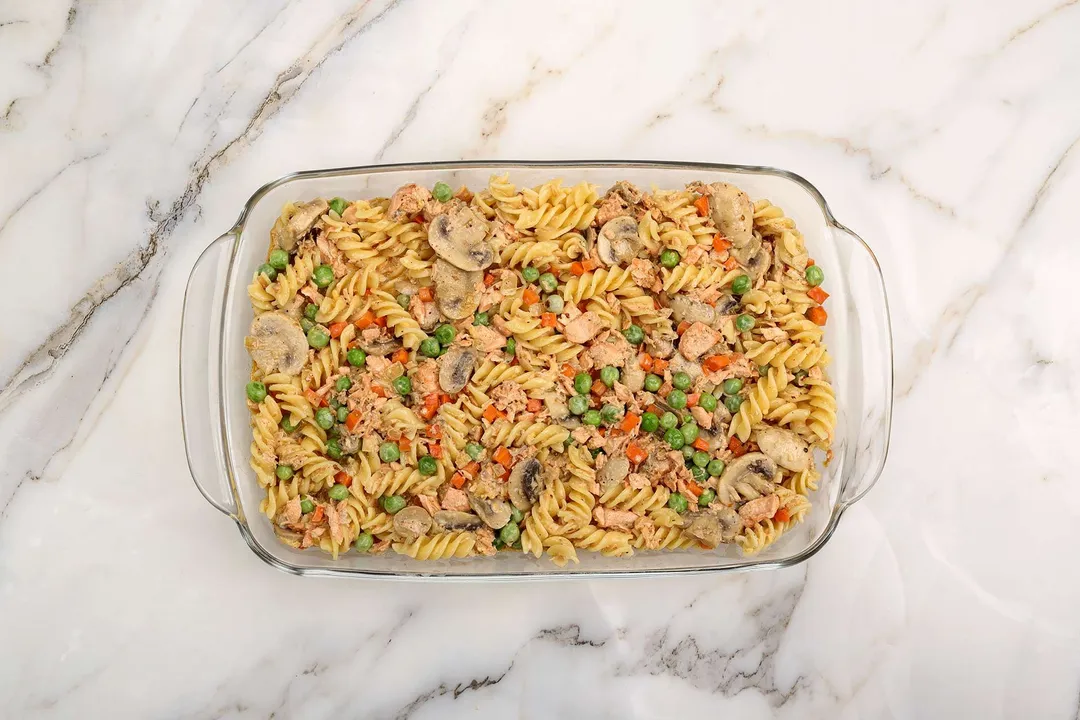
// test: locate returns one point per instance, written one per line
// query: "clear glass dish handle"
(200, 396)
(870, 335)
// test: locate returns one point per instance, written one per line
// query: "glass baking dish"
(215, 366)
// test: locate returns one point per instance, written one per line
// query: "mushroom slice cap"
(277, 343)
(411, 522)
(732, 211)
(379, 348)
(687, 309)
(783, 447)
(525, 483)
(455, 368)
(618, 241)
(459, 237)
(613, 472)
(456, 520)
(287, 234)
(456, 290)
(494, 513)
(712, 527)
(750, 474)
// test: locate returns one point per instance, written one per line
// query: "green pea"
(715, 467)
(306, 325)
(740, 285)
(430, 347)
(284, 472)
(610, 414)
(706, 497)
(744, 323)
(732, 403)
(800, 375)
(256, 391)
(498, 544)
(389, 452)
(689, 432)
(323, 276)
(688, 454)
(268, 270)
(334, 403)
(653, 382)
(516, 515)
(634, 335)
(445, 334)
(279, 259)
(530, 274)
(338, 492)
(356, 357)
(343, 383)
(701, 458)
(403, 299)
(591, 417)
(474, 450)
(402, 385)
(317, 337)
(548, 283)
(555, 304)
(325, 418)
(306, 506)
(511, 346)
(674, 438)
(707, 401)
(732, 386)
(681, 380)
(595, 452)
(442, 192)
(582, 383)
(338, 205)
(342, 414)
(509, 533)
(699, 474)
(669, 258)
(333, 448)
(609, 374)
(310, 311)
(677, 503)
(333, 432)
(676, 399)
(288, 426)
(763, 369)
(814, 276)
(364, 542)
(393, 504)
(578, 404)
(669, 420)
(428, 465)
(649, 422)
(481, 318)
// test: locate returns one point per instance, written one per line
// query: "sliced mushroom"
(732, 211)
(525, 483)
(277, 343)
(411, 522)
(755, 257)
(456, 290)
(613, 472)
(455, 520)
(747, 477)
(727, 305)
(459, 237)
(660, 345)
(494, 513)
(687, 309)
(783, 447)
(287, 234)
(379, 347)
(618, 241)
(712, 527)
(455, 368)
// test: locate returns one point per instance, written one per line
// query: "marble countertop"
(945, 133)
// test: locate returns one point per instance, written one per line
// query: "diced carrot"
(817, 315)
(635, 453)
(352, 420)
(435, 450)
(736, 447)
(434, 431)
(683, 327)
(577, 268)
(701, 444)
(491, 413)
(567, 371)
(629, 422)
(426, 294)
(645, 361)
(694, 488)
(337, 328)
(401, 355)
(380, 390)
(598, 387)
(589, 264)
(809, 262)
(655, 410)
(404, 444)
(366, 320)
(534, 405)
(716, 362)
(312, 397)
(720, 243)
(702, 205)
(692, 399)
(318, 515)
(602, 431)
(471, 469)
(782, 515)
(502, 456)
(659, 365)
(506, 475)
(489, 279)
(380, 321)
(343, 478)
(529, 297)
(443, 398)
(730, 263)
(816, 294)
(547, 320)
(458, 480)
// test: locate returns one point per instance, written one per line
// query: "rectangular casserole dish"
(214, 365)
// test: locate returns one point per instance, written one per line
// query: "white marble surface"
(946, 133)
